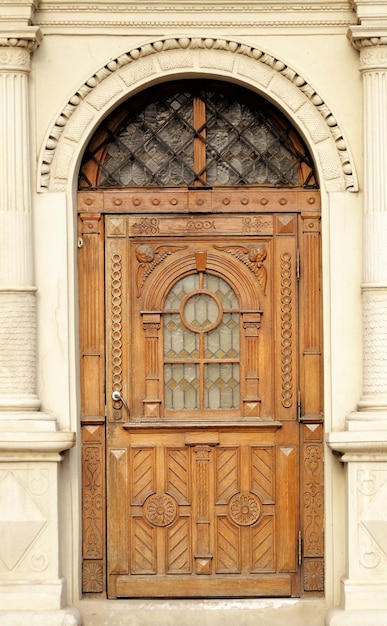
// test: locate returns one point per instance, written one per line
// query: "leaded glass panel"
(222, 290)
(243, 147)
(181, 386)
(180, 290)
(179, 342)
(223, 341)
(221, 383)
(196, 133)
(201, 345)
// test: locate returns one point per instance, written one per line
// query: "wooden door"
(203, 346)
(214, 482)
(200, 343)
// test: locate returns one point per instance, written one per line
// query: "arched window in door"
(201, 345)
(200, 133)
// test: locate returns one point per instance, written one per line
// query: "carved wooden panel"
(310, 404)
(312, 471)
(198, 505)
(178, 201)
(91, 282)
(92, 351)
(93, 508)
(310, 321)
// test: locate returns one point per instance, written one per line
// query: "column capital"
(372, 44)
(367, 36)
(17, 45)
(28, 37)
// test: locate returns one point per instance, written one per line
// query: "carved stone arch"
(186, 57)
(232, 270)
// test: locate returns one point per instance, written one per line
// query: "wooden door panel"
(117, 496)
(214, 510)
(201, 501)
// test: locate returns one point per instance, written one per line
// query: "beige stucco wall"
(69, 54)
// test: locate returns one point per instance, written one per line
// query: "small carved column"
(203, 555)
(17, 293)
(251, 324)
(364, 443)
(151, 322)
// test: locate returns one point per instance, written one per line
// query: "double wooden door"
(213, 397)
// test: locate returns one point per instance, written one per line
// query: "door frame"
(92, 350)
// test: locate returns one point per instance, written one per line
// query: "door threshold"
(210, 612)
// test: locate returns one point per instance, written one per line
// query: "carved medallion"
(160, 509)
(244, 508)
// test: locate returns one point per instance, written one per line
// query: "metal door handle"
(117, 397)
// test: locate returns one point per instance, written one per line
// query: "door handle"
(117, 397)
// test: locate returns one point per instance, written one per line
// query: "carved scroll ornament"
(148, 258)
(253, 257)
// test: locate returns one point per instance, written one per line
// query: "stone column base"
(64, 617)
(364, 588)
(32, 591)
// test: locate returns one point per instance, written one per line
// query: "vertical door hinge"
(298, 264)
(299, 548)
(80, 242)
(299, 405)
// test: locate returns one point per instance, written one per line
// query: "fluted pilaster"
(17, 292)
(373, 66)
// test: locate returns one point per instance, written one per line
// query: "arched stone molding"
(187, 57)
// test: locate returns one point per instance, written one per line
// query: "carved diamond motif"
(374, 518)
(21, 520)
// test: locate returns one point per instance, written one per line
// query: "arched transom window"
(196, 133)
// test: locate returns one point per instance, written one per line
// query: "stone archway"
(169, 58)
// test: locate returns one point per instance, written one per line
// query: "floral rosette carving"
(160, 509)
(244, 508)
